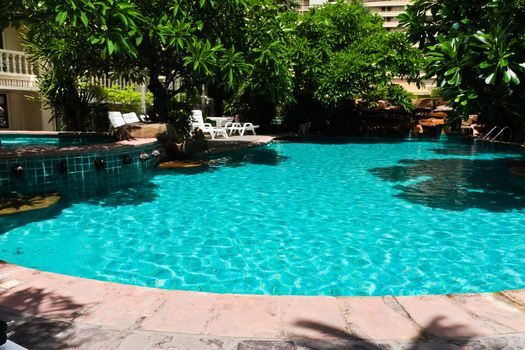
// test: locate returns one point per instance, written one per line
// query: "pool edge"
(82, 301)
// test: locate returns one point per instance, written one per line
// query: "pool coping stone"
(125, 312)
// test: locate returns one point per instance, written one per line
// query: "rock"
(182, 164)
(19, 204)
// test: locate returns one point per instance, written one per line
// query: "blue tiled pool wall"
(76, 175)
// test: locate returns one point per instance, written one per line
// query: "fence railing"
(16, 63)
(110, 81)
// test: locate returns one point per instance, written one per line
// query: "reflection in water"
(136, 195)
(260, 156)
(472, 149)
(456, 184)
(10, 222)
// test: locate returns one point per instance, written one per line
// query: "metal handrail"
(499, 133)
(486, 137)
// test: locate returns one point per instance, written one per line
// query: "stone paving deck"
(55, 311)
(234, 143)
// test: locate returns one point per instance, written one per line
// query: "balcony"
(16, 71)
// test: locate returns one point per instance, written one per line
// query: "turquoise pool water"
(341, 218)
(16, 141)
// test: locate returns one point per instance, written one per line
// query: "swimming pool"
(15, 140)
(339, 218)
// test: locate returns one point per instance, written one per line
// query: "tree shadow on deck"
(456, 184)
(32, 331)
(429, 338)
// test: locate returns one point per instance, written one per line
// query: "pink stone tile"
(493, 311)
(378, 318)
(183, 312)
(124, 307)
(41, 302)
(9, 283)
(86, 292)
(439, 316)
(41, 294)
(312, 318)
(9, 271)
(517, 296)
(246, 316)
(6, 268)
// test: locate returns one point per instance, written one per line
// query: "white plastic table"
(219, 121)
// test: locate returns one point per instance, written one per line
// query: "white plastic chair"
(197, 121)
(221, 131)
(115, 120)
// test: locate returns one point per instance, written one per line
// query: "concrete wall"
(25, 114)
(11, 39)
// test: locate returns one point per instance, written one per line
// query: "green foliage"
(221, 42)
(76, 106)
(342, 53)
(476, 51)
(254, 53)
(127, 98)
(265, 40)
(112, 25)
(178, 111)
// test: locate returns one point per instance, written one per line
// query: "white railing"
(15, 63)
(110, 81)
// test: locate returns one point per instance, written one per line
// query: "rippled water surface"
(342, 218)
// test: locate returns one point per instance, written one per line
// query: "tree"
(163, 41)
(476, 52)
(343, 54)
(267, 42)
(112, 24)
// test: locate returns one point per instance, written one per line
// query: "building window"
(4, 119)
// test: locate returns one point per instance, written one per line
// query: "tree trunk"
(160, 98)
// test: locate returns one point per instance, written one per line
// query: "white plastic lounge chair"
(249, 127)
(197, 121)
(145, 118)
(115, 120)
(233, 128)
(131, 118)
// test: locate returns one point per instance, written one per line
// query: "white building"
(17, 83)
(388, 9)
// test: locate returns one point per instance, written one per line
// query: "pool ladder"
(499, 131)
